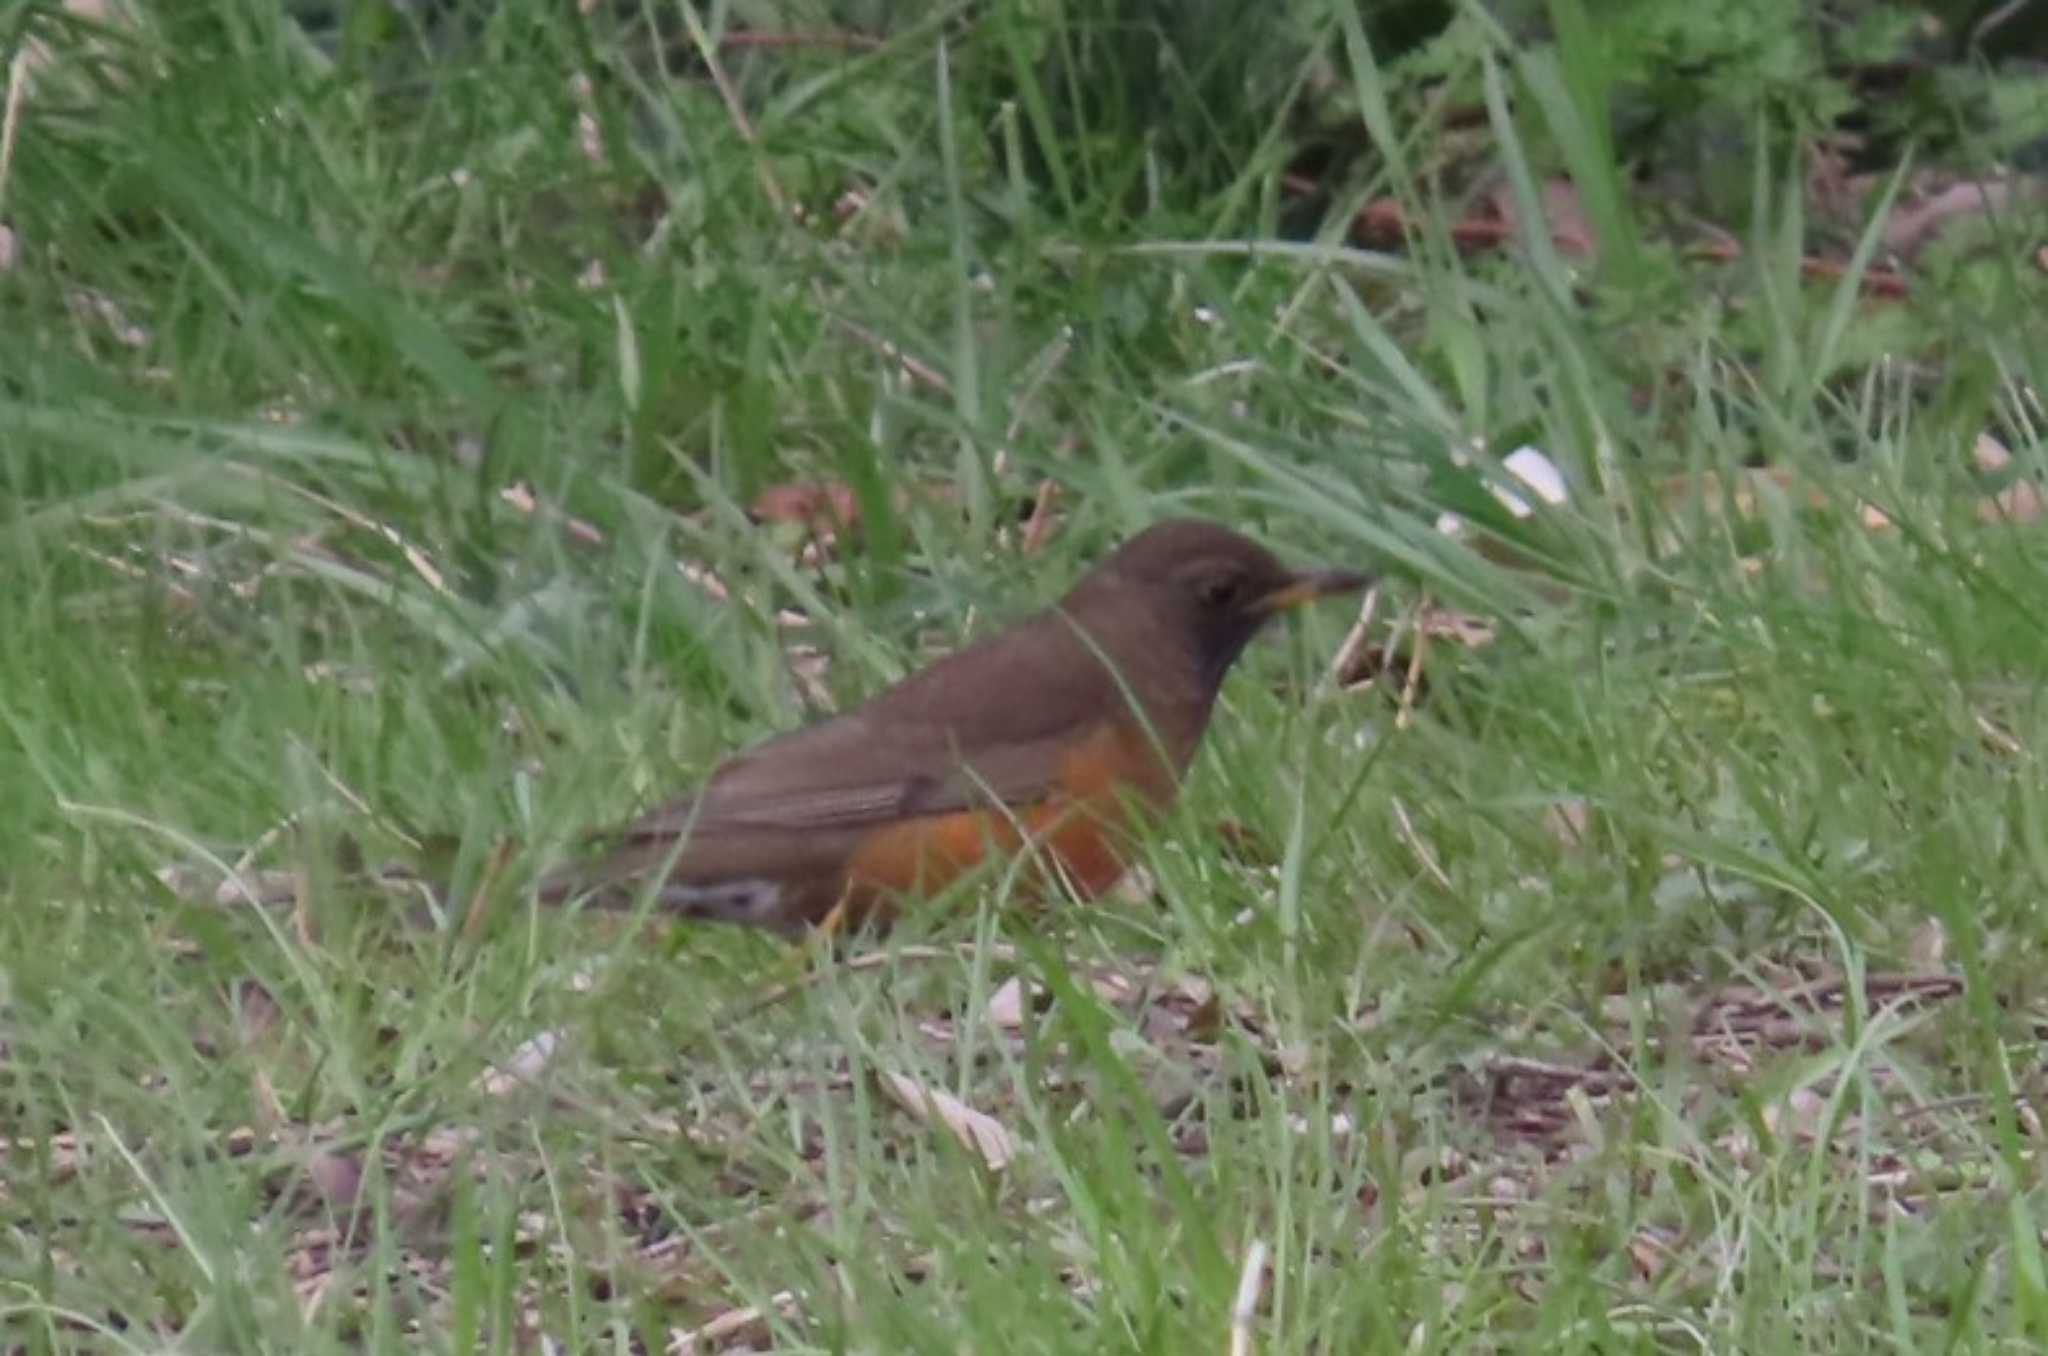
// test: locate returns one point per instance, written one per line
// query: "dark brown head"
(1209, 588)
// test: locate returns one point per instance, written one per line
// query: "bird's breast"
(1083, 827)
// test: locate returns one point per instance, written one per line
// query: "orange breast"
(1082, 830)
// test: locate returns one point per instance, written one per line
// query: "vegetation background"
(430, 430)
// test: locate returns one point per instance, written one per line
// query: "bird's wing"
(956, 735)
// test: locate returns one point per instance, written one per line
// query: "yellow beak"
(1309, 585)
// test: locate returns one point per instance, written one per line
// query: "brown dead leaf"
(1651, 1249)
(1114, 989)
(808, 667)
(1927, 945)
(826, 505)
(2018, 503)
(981, 1134)
(202, 884)
(1997, 737)
(1007, 1006)
(1571, 231)
(526, 1064)
(1369, 664)
(1136, 887)
(1708, 493)
(706, 579)
(256, 1012)
(1883, 283)
(519, 496)
(1398, 660)
(747, 1326)
(1916, 225)
(1569, 821)
(334, 1179)
(62, 1154)
(1039, 526)
(1457, 628)
(1798, 1116)
(1385, 224)
(477, 917)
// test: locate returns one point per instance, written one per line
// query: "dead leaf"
(256, 1011)
(1251, 1288)
(1568, 820)
(817, 504)
(478, 915)
(526, 1064)
(1709, 493)
(1798, 1116)
(1571, 231)
(1652, 1249)
(336, 1179)
(1459, 628)
(200, 884)
(1927, 946)
(1888, 284)
(1912, 228)
(1038, 527)
(1989, 455)
(1007, 1005)
(745, 1324)
(2019, 503)
(982, 1134)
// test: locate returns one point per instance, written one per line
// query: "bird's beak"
(1308, 585)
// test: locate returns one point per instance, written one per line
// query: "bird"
(1055, 740)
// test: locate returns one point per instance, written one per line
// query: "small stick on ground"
(479, 910)
(1038, 527)
(1251, 1283)
(1354, 640)
(1406, 715)
(735, 110)
(1422, 854)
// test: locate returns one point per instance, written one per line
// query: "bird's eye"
(1218, 590)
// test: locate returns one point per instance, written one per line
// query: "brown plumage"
(1048, 737)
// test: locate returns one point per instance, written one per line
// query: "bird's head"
(1210, 588)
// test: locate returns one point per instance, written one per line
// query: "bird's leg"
(826, 942)
(828, 932)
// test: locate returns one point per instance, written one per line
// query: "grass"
(1666, 976)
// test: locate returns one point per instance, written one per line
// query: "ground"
(426, 444)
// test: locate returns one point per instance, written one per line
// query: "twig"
(1038, 527)
(1415, 846)
(1405, 716)
(921, 371)
(733, 109)
(1354, 640)
(731, 1323)
(479, 911)
(1250, 1282)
